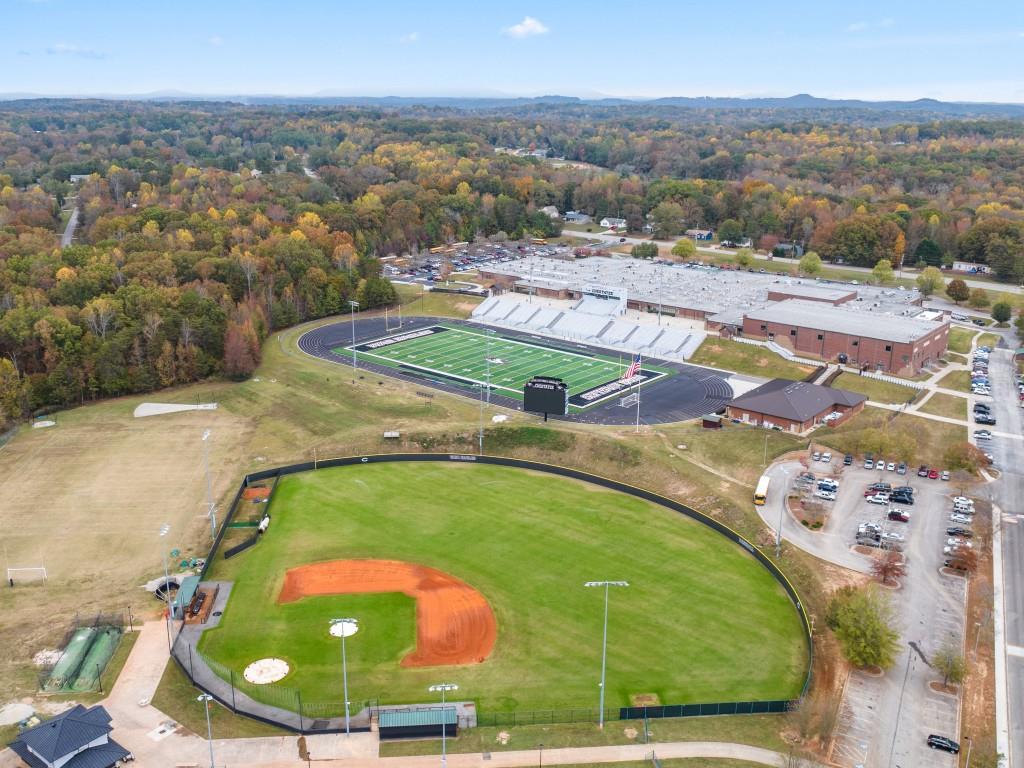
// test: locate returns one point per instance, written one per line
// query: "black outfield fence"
(241, 546)
(285, 707)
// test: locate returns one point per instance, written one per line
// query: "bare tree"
(888, 566)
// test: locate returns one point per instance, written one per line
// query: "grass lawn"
(958, 380)
(879, 391)
(946, 405)
(746, 358)
(755, 730)
(896, 436)
(960, 339)
(527, 542)
(953, 357)
(988, 339)
(176, 698)
(417, 301)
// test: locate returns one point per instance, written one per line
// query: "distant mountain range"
(800, 101)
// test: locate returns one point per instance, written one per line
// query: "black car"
(983, 418)
(903, 489)
(943, 743)
(848, 459)
(902, 498)
(982, 408)
(956, 530)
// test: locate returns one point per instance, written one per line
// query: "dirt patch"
(255, 492)
(454, 622)
(644, 700)
(948, 690)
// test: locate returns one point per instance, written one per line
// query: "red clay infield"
(454, 622)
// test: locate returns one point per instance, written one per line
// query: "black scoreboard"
(544, 394)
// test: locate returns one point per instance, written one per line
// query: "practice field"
(461, 355)
(701, 620)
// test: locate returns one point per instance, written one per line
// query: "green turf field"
(701, 621)
(459, 355)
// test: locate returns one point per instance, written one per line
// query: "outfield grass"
(746, 358)
(875, 389)
(415, 300)
(942, 404)
(755, 730)
(958, 380)
(701, 620)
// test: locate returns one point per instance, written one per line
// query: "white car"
(826, 495)
(954, 542)
(826, 457)
(891, 466)
(963, 501)
(878, 498)
(958, 517)
(952, 550)
(893, 536)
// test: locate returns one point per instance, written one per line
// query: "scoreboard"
(544, 394)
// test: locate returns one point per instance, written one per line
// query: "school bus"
(761, 493)
(538, 241)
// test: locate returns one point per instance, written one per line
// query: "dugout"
(417, 723)
(186, 591)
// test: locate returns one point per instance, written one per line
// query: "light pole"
(540, 756)
(353, 306)
(481, 437)
(206, 698)
(164, 530)
(209, 484)
(604, 642)
(343, 627)
(443, 688)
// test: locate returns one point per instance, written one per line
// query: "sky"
(954, 51)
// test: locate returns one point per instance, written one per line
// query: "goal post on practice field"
(28, 573)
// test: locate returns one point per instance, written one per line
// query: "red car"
(933, 474)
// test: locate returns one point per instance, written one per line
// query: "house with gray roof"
(795, 406)
(78, 738)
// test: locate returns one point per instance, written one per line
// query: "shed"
(711, 421)
(417, 723)
(186, 592)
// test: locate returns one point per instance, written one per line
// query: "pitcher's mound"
(266, 671)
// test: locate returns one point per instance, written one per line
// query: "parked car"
(922, 471)
(880, 486)
(825, 495)
(947, 551)
(982, 408)
(893, 536)
(955, 563)
(902, 497)
(959, 517)
(956, 530)
(869, 464)
(891, 466)
(902, 468)
(983, 434)
(956, 541)
(980, 418)
(942, 742)
(826, 457)
(899, 515)
(878, 498)
(963, 500)
(847, 459)
(816, 456)
(933, 474)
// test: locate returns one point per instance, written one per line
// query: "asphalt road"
(69, 231)
(1009, 494)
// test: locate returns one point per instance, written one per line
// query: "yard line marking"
(1015, 650)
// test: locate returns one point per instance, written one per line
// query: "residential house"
(701, 234)
(609, 222)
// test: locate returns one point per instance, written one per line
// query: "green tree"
(810, 263)
(644, 251)
(930, 281)
(13, 392)
(882, 273)
(684, 249)
(730, 230)
(1002, 312)
(863, 621)
(744, 257)
(950, 662)
(1019, 325)
(957, 290)
(929, 252)
(978, 298)
(667, 218)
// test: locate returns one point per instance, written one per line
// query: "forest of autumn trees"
(204, 226)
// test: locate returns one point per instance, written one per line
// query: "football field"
(462, 356)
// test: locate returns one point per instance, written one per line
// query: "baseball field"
(405, 548)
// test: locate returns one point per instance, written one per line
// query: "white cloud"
(528, 27)
(412, 37)
(857, 26)
(887, 22)
(216, 40)
(69, 49)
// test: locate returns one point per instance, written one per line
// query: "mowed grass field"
(701, 621)
(461, 354)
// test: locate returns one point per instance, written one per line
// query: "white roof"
(854, 322)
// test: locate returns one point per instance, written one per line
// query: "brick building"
(880, 341)
(795, 406)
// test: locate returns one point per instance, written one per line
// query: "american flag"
(634, 368)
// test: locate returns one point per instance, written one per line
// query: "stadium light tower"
(343, 627)
(353, 306)
(604, 642)
(164, 530)
(443, 688)
(206, 698)
(209, 485)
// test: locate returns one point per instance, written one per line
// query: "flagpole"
(638, 396)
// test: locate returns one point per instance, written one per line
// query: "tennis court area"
(460, 355)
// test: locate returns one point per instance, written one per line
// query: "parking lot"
(896, 712)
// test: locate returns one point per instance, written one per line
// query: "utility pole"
(164, 530)
(353, 305)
